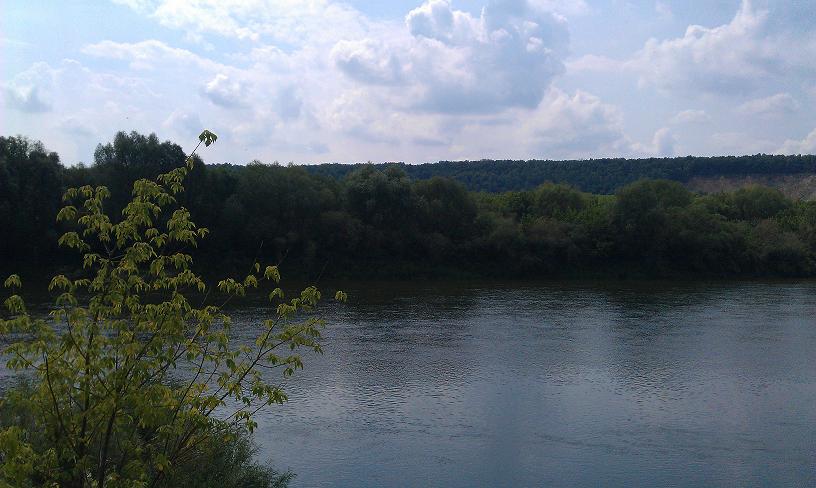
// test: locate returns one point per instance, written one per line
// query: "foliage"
(604, 176)
(134, 379)
(401, 221)
(224, 458)
(27, 172)
(226, 461)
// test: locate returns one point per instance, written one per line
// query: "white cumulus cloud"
(803, 146)
(691, 116)
(367, 61)
(26, 98)
(575, 126)
(733, 58)
(779, 104)
(457, 63)
(226, 92)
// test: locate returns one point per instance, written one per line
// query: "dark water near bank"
(556, 385)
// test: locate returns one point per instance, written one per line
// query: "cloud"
(289, 103)
(426, 141)
(574, 126)
(733, 58)
(739, 143)
(29, 90)
(663, 10)
(442, 79)
(454, 63)
(804, 146)
(226, 19)
(662, 145)
(569, 8)
(225, 92)
(282, 21)
(26, 98)
(6, 42)
(183, 123)
(151, 54)
(779, 104)
(46, 88)
(438, 82)
(505, 58)
(594, 63)
(451, 62)
(80, 102)
(313, 148)
(436, 19)
(691, 116)
(367, 61)
(76, 128)
(138, 5)
(356, 114)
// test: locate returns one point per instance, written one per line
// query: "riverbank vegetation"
(226, 456)
(379, 222)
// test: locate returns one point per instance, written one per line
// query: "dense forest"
(601, 176)
(400, 221)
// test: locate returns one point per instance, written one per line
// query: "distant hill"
(602, 176)
(801, 186)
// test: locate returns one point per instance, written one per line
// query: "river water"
(580, 384)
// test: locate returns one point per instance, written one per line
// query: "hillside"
(794, 186)
(605, 176)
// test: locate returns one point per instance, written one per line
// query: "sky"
(310, 81)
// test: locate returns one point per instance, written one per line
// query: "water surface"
(579, 384)
(462, 385)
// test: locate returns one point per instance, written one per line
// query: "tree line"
(603, 176)
(401, 221)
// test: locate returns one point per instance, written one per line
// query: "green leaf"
(13, 280)
(59, 281)
(271, 272)
(207, 137)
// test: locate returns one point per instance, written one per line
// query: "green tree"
(551, 200)
(131, 157)
(758, 202)
(385, 203)
(132, 379)
(283, 204)
(643, 212)
(30, 184)
(445, 217)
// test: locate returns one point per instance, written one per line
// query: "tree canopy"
(390, 221)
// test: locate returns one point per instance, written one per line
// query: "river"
(575, 385)
(578, 384)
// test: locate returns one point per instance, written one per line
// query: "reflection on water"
(570, 385)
